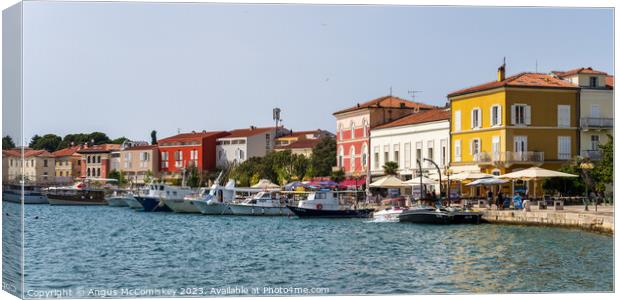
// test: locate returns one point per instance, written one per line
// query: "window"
(365, 156)
(98, 172)
(397, 154)
(45, 163)
(352, 158)
(164, 159)
(407, 155)
(88, 172)
(418, 151)
(98, 159)
(457, 120)
(495, 147)
(594, 142)
(365, 127)
(268, 141)
(476, 118)
(241, 154)
(564, 116)
(457, 150)
(593, 82)
(444, 152)
(341, 157)
(564, 145)
(475, 147)
(520, 114)
(340, 132)
(496, 115)
(376, 158)
(386, 154)
(352, 130)
(88, 159)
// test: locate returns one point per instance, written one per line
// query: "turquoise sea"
(104, 251)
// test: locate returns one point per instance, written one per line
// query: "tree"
(153, 137)
(569, 186)
(98, 138)
(323, 157)
(193, 179)
(148, 176)
(7, 142)
(119, 176)
(390, 168)
(119, 140)
(603, 172)
(49, 142)
(338, 175)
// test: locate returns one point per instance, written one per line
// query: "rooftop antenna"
(390, 90)
(536, 65)
(412, 93)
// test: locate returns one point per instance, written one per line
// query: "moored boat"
(118, 199)
(263, 204)
(217, 200)
(31, 194)
(326, 204)
(133, 203)
(441, 216)
(153, 199)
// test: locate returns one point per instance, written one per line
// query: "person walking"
(499, 200)
(490, 197)
(517, 201)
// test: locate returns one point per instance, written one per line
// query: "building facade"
(353, 127)
(184, 150)
(301, 142)
(96, 160)
(37, 166)
(68, 164)
(139, 162)
(529, 119)
(242, 144)
(425, 135)
(596, 106)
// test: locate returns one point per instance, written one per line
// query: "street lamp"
(587, 166)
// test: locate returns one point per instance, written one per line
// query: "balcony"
(509, 158)
(592, 154)
(597, 123)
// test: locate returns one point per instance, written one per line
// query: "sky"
(128, 68)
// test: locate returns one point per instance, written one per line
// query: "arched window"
(340, 131)
(365, 127)
(352, 130)
(98, 158)
(352, 158)
(88, 172)
(340, 157)
(98, 172)
(88, 158)
(365, 156)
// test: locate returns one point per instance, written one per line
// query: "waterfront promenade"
(575, 216)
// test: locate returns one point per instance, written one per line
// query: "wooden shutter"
(471, 118)
(457, 120)
(499, 115)
(528, 115)
(513, 114)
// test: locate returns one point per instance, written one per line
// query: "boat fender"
(319, 206)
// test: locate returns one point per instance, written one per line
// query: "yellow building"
(529, 119)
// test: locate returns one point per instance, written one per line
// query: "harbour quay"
(601, 220)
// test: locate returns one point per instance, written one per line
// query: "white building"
(425, 135)
(242, 144)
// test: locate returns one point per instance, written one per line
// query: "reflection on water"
(81, 248)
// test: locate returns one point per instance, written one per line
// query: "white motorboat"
(263, 204)
(132, 202)
(31, 194)
(389, 214)
(217, 201)
(156, 194)
(326, 204)
(118, 199)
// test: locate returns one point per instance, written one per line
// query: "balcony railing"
(510, 157)
(597, 122)
(592, 154)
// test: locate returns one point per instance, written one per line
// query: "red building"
(353, 129)
(188, 149)
(96, 160)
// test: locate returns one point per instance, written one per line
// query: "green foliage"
(338, 175)
(154, 137)
(390, 168)
(603, 172)
(193, 177)
(323, 157)
(49, 142)
(119, 140)
(96, 138)
(279, 167)
(565, 185)
(119, 176)
(148, 176)
(7, 142)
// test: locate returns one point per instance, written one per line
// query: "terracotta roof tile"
(417, 118)
(66, 151)
(386, 102)
(519, 80)
(246, 132)
(301, 144)
(609, 81)
(587, 70)
(190, 136)
(142, 147)
(303, 133)
(100, 148)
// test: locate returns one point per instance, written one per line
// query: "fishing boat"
(441, 216)
(262, 204)
(81, 193)
(186, 204)
(326, 204)
(217, 200)
(30, 194)
(152, 199)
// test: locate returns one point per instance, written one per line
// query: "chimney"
(501, 71)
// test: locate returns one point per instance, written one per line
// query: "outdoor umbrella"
(389, 181)
(468, 175)
(265, 184)
(487, 181)
(534, 173)
(416, 181)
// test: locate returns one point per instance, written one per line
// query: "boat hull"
(80, 198)
(151, 204)
(323, 213)
(32, 198)
(213, 208)
(117, 201)
(254, 210)
(434, 217)
(133, 203)
(182, 206)
(387, 216)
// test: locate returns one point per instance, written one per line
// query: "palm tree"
(390, 168)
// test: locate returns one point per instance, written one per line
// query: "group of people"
(503, 202)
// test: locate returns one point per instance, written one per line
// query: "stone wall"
(587, 221)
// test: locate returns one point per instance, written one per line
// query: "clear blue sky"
(128, 68)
